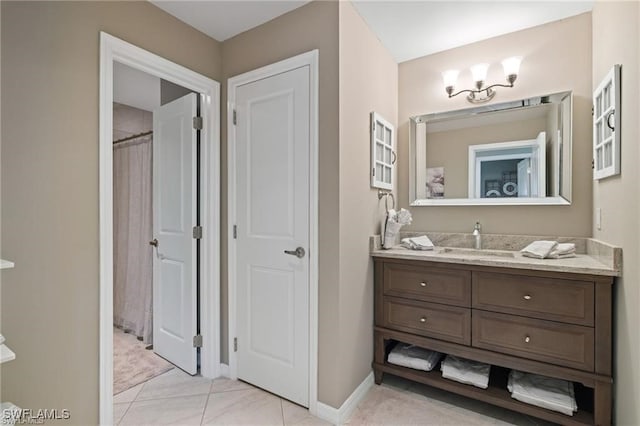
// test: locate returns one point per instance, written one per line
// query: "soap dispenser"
(477, 236)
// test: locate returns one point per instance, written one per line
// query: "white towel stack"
(466, 371)
(546, 392)
(549, 250)
(410, 356)
(417, 243)
(563, 250)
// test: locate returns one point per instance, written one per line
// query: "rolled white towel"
(563, 250)
(466, 371)
(546, 392)
(417, 243)
(391, 229)
(414, 357)
(539, 249)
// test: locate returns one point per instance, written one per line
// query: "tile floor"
(403, 402)
(179, 399)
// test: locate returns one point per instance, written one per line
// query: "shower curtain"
(132, 225)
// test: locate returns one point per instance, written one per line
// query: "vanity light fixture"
(481, 93)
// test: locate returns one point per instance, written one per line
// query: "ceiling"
(408, 29)
(411, 29)
(135, 88)
(223, 19)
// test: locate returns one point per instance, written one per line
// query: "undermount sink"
(477, 252)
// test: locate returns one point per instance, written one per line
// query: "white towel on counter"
(410, 356)
(417, 243)
(562, 251)
(546, 392)
(466, 371)
(539, 249)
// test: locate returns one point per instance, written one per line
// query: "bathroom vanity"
(549, 317)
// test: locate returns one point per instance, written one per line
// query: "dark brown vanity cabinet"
(557, 324)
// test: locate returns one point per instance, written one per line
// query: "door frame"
(305, 59)
(112, 50)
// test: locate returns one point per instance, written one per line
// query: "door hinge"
(593, 112)
(197, 232)
(197, 123)
(235, 117)
(197, 341)
(235, 232)
(235, 344)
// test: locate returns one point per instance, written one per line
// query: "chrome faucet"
(477, 236)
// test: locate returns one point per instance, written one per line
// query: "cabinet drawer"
(440, 285)
(547, 341)
(545, 298)
(428, 319)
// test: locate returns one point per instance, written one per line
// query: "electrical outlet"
(599, 219)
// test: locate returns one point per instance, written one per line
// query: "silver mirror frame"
(425, 118)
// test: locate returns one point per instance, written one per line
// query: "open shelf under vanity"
(554, 324)
(497, 393)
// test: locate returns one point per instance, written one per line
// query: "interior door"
(174, 216)
(272, 196)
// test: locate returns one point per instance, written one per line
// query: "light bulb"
(479, 72)
(511, 66)
(449, 77)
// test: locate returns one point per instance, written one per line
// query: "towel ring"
(387, 194)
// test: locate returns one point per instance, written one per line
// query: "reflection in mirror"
(510, 153)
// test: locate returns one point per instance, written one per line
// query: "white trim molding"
(339, 416)
(305, 59)
(113, 50)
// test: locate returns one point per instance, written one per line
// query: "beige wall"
(313, 26)
(615, 41)
(557, 57)
(50, 59)
(368, 82)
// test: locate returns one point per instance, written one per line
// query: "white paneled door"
(174, 216)
(272, 204)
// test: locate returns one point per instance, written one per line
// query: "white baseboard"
(224, 370)
(328, 413)
(338, 416)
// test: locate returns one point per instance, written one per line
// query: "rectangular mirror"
(502, 154)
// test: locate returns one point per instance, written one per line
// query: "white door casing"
(272, 148)
(279, 291)
(174, 216)
(113, 50)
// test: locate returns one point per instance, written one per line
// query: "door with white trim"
(175, 294)
(272, 205)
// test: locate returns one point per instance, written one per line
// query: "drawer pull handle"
(527, 297)
(423, 284)
(527, 339)
(423, 319)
